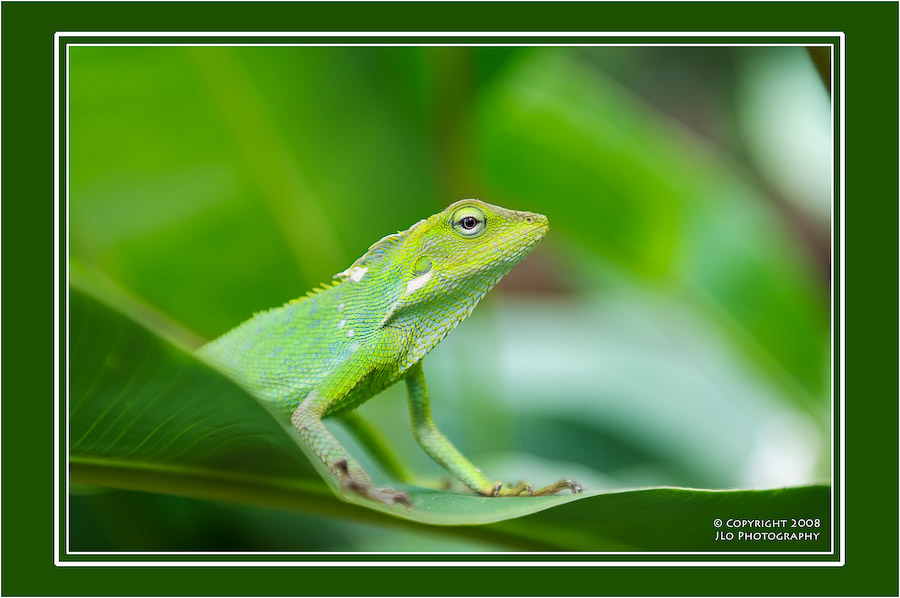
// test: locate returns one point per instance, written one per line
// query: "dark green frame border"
(27, 34)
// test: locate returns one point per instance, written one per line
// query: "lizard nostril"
(529, 219)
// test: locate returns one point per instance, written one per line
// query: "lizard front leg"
(448, 456)
(307, 419)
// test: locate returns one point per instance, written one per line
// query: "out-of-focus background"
(672, 329)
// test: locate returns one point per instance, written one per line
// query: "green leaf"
(145, 414)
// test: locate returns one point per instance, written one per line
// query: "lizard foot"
(526, 489)
(359, 483)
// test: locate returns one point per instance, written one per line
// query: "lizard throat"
(432, 321)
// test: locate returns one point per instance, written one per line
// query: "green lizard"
(328, 352)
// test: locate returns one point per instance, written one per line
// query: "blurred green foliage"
(672, 329)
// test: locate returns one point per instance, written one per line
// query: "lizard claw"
(389, 496)
(526, 489)
(554, 488)
(360, 484)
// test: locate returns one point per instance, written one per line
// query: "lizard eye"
(469, 221)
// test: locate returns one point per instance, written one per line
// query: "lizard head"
(472, 241)
(451, 260)
(457, 255)
(446, 263)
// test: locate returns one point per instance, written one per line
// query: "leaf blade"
(242, 454)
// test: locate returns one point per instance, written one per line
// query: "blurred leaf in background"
(673, 329)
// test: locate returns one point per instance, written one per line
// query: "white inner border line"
(840, 89)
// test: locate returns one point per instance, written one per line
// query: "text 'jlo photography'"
(767, 530)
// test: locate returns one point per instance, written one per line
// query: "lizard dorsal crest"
(376, 252)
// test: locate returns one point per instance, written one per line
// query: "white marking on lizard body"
(355, 273)
(417, 283)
